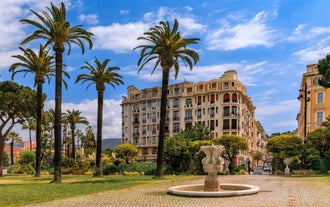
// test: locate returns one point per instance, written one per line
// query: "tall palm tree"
(12, 138)
(53, 27)
(167, 47)
(41, 65)
(73, 118)
(100, 75)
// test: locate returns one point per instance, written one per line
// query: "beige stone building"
(221, 104)
(314, 102)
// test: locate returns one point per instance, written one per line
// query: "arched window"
(234, 97)
(226, 98)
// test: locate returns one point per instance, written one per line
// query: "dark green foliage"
(68, 162)
(324, 70)
(6, 162)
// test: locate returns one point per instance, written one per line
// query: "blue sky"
(269, 43)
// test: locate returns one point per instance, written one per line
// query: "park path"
(275, 191)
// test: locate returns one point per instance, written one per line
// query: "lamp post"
(303, 94)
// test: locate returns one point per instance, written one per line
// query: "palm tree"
(30, 124)
(56, 30)
(100, 75)
(41, 65)
(12, 138)
(72, 118)
(167, 47)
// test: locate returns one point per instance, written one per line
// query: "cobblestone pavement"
(274, 192)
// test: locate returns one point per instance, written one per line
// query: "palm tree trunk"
(2, 146)
(12, 152)
(73, 143)
(38, 129)
(161, 138)
(58, 114)
(99, 133)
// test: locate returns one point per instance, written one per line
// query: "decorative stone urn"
(287, 162)
(212, 164)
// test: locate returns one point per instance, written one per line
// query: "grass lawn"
(18, 190)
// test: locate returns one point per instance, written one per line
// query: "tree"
(167, 47)
(73, 118)
(30, 124)
(319, 139)
(17, 103)
(284, 146)
(52, 26)
(233, 144)
(178, 153)
(88, 141)
(324, 69)
(100, 75)
(12, 138)
(127, 152)
(41, 65)
(197, 132)
(257, 156)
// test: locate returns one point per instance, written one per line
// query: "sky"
(269, 43)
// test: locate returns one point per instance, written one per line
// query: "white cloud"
(90, 18)
(120, 38)
(248, 34)
(312, 53)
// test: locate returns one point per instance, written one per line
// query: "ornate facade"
(314, 102)
(221, 104)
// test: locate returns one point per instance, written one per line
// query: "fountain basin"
(226, 190)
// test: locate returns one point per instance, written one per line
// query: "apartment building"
(314, 102)
(221, 104)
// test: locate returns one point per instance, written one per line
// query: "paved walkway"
(274, 192)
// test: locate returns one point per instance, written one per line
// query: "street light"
(303, 94)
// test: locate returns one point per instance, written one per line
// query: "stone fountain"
(212, 165)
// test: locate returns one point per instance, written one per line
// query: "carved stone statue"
(212, 164)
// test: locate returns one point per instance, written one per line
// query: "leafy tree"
(5, 159)
(27, 158)
(12, 138)
(178, 153)
(100, 75)
(257, 156)
(319, 139)
(52, 26)
(284, 146)
(17, 104)
(127, 152)
(324, 69)
(233, 144)
(167, 47)
(73, 118)
(41, 65)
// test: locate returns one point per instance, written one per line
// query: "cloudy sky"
(269, 43)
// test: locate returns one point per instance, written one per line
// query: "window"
(212, 98)
(234, 97)
(154, 117)
(188, 115)
(144, 106)
(226, 124)
(154, 105)
(212, 112)
(176, 115)
(319, 97)
(188, 101)
(144, 118)
(226, 111)
(234, 123)
(212, 125)
(199, 100)
(153, 129)
(136, 108)
(225, 85)
(199, 113)
(189, 90)
(226, 98)
(234, 111)
(176, 103)
(319, 116)
(176, 127)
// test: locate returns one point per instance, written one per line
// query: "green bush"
(68, 162)
(238, 168)
(22, 169)
(5, 159)
(27, 158)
